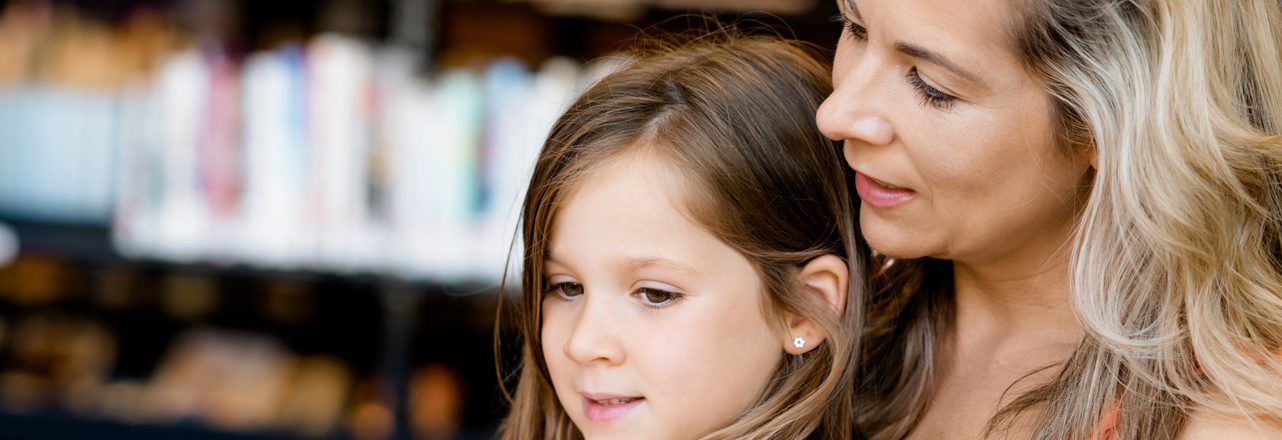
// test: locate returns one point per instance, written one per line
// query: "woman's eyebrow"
(853, 9)
(936, 59)
(920, 53)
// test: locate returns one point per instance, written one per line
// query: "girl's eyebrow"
(637, 264)
(550, 258)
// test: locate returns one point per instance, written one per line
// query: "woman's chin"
(900, 255)
(894, 242)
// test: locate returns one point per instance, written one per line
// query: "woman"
(1080, 202)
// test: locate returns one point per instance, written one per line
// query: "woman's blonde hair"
(734, 117)
(1176, 270)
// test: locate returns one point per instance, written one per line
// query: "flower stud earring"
(799, 342)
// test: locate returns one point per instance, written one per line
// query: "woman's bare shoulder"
(1203, 425)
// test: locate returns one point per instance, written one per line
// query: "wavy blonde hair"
(734, 116)
(1176, 270)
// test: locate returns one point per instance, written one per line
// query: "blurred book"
(335, 156)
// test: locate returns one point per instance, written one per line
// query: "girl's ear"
(828, 279)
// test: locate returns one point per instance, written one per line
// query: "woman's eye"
(567, 289)
(857, 31)
(657, 298)
(929, 95)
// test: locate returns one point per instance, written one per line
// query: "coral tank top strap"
(1107, 428)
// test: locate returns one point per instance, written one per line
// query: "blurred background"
(282, 219)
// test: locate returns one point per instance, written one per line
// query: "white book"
(182, 218)
(274, 232)
(340, 74)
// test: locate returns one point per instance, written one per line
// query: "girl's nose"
(594, 337)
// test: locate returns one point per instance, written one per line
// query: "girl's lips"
(597, 412)
(878, 195)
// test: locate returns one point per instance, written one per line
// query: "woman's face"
(951, 137)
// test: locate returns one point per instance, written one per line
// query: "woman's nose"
(855, 112)
(594, 338)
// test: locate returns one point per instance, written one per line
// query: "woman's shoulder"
(1205, 425)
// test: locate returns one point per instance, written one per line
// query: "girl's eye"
(857, 31)
(657, 298)
(930, 95)
(566, 290)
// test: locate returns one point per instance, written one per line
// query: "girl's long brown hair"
(734, 117)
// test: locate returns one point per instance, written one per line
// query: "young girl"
(686, 255)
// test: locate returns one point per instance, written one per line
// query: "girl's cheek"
(552, 331)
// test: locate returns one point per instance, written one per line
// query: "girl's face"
(655, 329)
(951, 137)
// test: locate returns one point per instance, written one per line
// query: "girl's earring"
(799, 342)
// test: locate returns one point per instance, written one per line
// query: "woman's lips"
(609, 409)
(879, 194)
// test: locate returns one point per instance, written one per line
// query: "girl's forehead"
(643, 163)
(639, 197)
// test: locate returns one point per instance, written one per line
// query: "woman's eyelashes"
(929, 95)
(857, 31)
